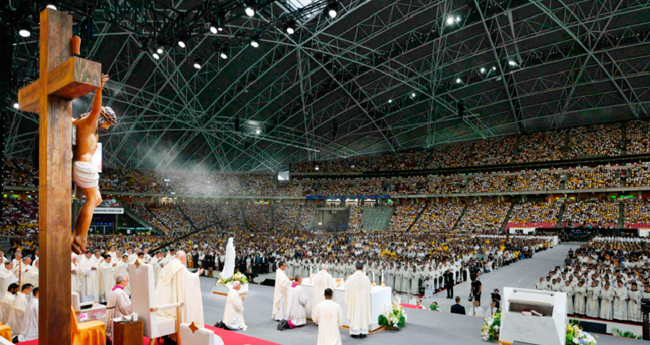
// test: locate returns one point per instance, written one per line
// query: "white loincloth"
(85, 174)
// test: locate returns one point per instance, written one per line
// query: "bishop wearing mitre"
(357, 298)
(282, 283)
(177, 284)
(321, 281)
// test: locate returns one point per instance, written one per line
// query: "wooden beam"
(28, 97)
(74, 78)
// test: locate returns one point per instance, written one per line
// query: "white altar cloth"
(379, 297)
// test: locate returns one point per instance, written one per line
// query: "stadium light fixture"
(181, 44)
(51, 6)
(159, 51)
(258, 131)
(482, 70)
(255, 41)
(250, 11)
(512, 63)
(223, 54)
(213, 29)
(197, 63)
(25, 30)
(16, 105)
(290, 27)
(390, 101)
(413, 95)
(458, 80)
(156, 56)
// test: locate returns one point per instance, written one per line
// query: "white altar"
(379, 297)
(517, 323)
(225, 289)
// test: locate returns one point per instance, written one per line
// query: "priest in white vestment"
(7, 301)
(282, 283)
(321, 281)
(118, 303)
(74, 275)
(328, 316)
(296, 302)
(357, 298)
(177, 284)
(19, 309)
(7, 277)
(30, 325)
(89, 279)
(106, 277)
(31, 277)
(476, 310)
(233, 316)
(122, 267)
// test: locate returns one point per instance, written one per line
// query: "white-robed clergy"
(593, 295)
(296, 314)
(606, 298)
(19, 309)
(7, 277)
(106, 277)
(328, 316)
(634, 304)
(74, 275)
(620, 303)
(122, 267)
(357, 298)
(321, 281)
(233, 315)
(118, 303)
(568, 290)
(282, 283)
(7, 301)
(30, 325)
(476, 310)
(89, 279)
(177, 284)
(31, 277)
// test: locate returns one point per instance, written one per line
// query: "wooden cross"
(62, 79)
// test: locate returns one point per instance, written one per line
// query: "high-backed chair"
(5, 333)
(87, 333)
(96, 312)
(143, 297)
(191, 334)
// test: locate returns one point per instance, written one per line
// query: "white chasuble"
(233, 316)
(296, 303)
(328, 316)
(321, 281)
(282, 282)
(177, 284)
(357, 298)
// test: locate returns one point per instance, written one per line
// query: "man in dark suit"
(457, 308)
(449, 284)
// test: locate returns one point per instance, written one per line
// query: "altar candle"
(309, 271)
(373, 276)
(382, 275)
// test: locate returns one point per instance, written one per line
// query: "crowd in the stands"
(603, 214)
(484, 217)
(540, 213)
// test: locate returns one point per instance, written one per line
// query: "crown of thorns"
(107, 114)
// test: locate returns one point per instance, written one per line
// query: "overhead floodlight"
(413, 95)
(249, 11)
(51, 6)
(223, 54)
(331, 9)
(458, 80)
(512, 63)
(332, 13)
(390, 101)
(255, 41)
(482, 70)
(451, 20)
(25, 30)
(258, 131)
(213, 29)
(16, 105)
(457, 19)
(494, 68)
(159, 51)
(156, 56)
(290, 27)
(197, 63)
(181, 44)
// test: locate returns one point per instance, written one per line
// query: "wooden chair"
(143, 297)
(87, 333)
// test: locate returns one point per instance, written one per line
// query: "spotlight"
(413, 95)
(457, 19)
(16, 105)
(482, 70)
(213, 29)
(332, 13)
(223, 54)
(159, 51)
(25, 30)
(390, 101)
(255, 41)
(458, 80)
(181, 44)
(51, 6)
(331, 9)
(290, 27)
(197, 63)
(494, 68)
(451, 20)
(156, 56)
(258, 131)
(249, 11)
(512, 63)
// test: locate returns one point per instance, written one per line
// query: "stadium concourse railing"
(626, 190)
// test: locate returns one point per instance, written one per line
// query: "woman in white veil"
(229, 265)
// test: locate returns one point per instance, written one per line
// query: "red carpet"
(412, 306)
(228, 337)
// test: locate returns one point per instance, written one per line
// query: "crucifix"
(63, 77)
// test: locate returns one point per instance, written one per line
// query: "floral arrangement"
(626, 334)
(575, 335)
(393, 316)
(237, 277)
(490, 331)
(434, 307)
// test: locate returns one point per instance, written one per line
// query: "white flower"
(496, 328)
(490, 322)
(576, 341)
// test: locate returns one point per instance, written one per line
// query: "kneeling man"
(296, 303)
(233, 316)
(327, 315)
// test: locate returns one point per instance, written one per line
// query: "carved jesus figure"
(84, 172)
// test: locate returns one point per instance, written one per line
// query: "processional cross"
(63, 77)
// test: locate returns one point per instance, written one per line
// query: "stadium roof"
(380, 76)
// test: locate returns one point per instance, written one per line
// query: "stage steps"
(376, 218)
(560, 216)
(507, 218)
(621, 215)
(417, 218)
(460, 218)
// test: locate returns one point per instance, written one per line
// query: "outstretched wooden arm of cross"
(63, 78)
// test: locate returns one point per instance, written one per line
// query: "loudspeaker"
(460, 108)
